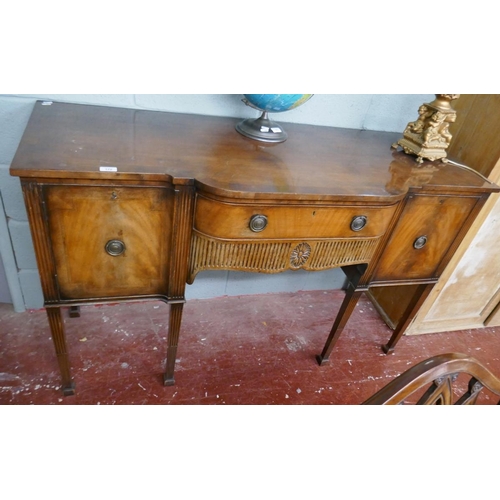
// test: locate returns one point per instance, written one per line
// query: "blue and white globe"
(277, 103)
(263, 128)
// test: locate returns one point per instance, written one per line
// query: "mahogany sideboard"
(130, 204)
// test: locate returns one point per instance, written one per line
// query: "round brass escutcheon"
(115, 247)
(258, 223)
(359, 222)
(420, 242)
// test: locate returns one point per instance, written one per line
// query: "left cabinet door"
(110, 241)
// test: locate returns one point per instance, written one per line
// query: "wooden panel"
(494, 318)
(81, 222)
(392, 301)
(225, 220)
(476, 131)
(438, 218)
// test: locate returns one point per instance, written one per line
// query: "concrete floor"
(247, 350)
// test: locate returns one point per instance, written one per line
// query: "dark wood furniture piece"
(435, 381)
(128, 204)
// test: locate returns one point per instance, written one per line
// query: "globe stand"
(262, 129)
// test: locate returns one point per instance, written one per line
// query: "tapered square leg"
(351, 299)
(59, 338)
(173, 341)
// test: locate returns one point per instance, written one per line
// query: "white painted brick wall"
(5, 297)
(389, 112)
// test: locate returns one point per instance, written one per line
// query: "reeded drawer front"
(109, 242)
(426, 230)
(276, 256)
(238, 221)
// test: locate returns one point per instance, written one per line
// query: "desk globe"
(263, 128)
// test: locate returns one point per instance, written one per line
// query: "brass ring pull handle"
(258, 223)
(359, 223)
(420, 242)
(115, 247)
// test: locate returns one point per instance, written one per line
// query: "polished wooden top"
(73, 141)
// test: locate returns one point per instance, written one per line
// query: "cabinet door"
(426, 230)
(472, 292)
(109, 241)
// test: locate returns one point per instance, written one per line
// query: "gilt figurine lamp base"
(429, 137)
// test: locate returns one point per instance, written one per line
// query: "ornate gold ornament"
(428, 137)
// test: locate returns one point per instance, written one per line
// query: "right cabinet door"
(423, 235)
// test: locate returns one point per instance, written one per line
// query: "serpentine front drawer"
(235, 221)
(276, 238)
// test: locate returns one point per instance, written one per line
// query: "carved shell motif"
(300, 255)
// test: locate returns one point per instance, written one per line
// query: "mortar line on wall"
(363, 124)
(9, 263)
